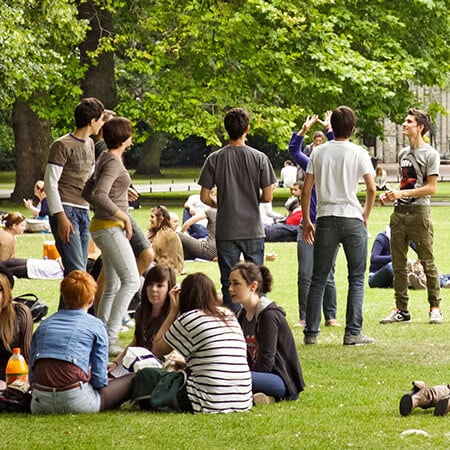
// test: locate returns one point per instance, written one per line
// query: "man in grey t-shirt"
(244, 178)
(411, 219)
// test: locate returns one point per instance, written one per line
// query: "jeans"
(305, 257)
(74, 254)
(268, 383)
(352, 234)
(228, 253)
(121, 277)
(196, 230)
(413, 223)
(84, 399)
(382, 278)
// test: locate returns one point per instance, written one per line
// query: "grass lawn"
(351, 396)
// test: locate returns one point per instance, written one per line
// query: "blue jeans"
(305, 257)
(121, 277)
(74, 254)
(352, 234)
(268, 383)
(382, 278)
(84, 399)
(228, 253)
(196, 230)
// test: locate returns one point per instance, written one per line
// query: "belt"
(40, 387)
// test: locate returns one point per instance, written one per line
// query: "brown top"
(168, 249)
(108, 190)
(57, 373)
(7, 245)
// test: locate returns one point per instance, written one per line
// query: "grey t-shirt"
(415, 166)
(240, 173)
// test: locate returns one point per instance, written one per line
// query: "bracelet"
(116, 363)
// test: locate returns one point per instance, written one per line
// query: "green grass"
(351, 396)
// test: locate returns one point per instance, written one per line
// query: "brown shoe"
(332, 323)
(262, 399)
(422, 397)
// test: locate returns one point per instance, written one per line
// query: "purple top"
(295, 150)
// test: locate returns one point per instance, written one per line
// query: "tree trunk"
(99, 80)
(149, 161)
(32, 142)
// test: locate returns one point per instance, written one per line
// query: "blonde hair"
(7, 313)
(39, 185)
(78, 289)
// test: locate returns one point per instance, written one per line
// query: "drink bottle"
(17, 367)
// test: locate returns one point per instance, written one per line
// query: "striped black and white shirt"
(219, 378)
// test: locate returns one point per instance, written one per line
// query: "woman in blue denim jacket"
(69, 356)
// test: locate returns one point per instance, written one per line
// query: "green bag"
(156, 389)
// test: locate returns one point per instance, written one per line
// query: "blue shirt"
(76, 337)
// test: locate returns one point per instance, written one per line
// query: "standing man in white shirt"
(335, 168)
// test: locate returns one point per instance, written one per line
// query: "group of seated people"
(246, 359)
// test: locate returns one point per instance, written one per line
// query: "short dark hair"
(116, 131)
(236, 122)
(89, 108)
(343, 121)
(422, 118)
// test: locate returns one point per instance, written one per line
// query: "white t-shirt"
(337, 166)
(219, 378)
(288, 175)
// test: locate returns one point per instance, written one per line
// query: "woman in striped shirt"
(210, 339)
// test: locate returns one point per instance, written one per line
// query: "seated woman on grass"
(271, 350)
(69, 355)
(16, 324)
(152, 310)
(165, 241)
(211, 341)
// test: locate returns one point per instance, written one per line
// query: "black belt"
(39, 387)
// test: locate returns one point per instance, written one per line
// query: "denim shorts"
(138, 240)
(84, 399)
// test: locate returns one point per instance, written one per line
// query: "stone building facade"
(387, 150)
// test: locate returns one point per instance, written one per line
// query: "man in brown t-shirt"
(70, 163)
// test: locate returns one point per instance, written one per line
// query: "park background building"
(387, 150)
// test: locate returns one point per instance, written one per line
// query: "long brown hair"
(7, 314)
(161, 212)
(198, 292)
(147, 326)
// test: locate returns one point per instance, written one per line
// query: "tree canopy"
(186, 62)
(179, 65)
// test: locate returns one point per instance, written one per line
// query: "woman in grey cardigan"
(111, 229)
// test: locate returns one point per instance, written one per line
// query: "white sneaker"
(435, 316)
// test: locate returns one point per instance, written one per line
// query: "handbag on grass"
(38, 308)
